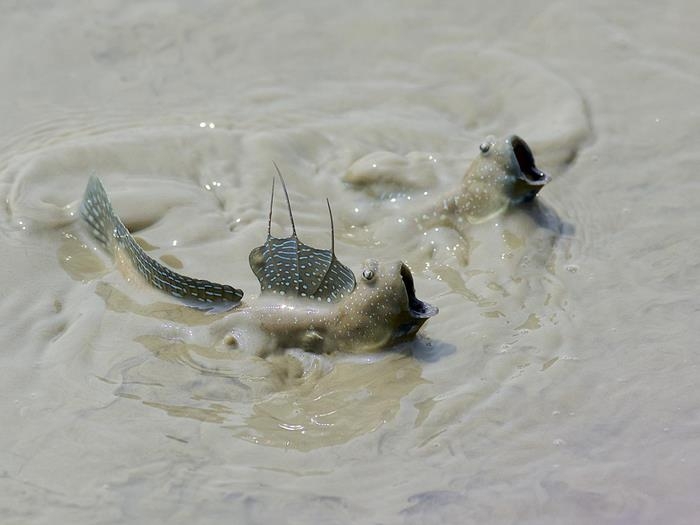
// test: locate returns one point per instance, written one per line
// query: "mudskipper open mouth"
(526, 161)
(418, 311)
(417, 308)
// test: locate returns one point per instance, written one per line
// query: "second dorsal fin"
(286, 266)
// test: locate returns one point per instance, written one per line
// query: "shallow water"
(557, 384)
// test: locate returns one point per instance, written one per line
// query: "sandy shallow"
(558, 383)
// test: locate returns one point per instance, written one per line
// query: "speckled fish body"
(502, 175)
(383, 310)
(308, 298)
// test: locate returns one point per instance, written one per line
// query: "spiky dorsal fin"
(287, 266)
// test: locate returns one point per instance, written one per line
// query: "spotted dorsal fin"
(287, 266)
(107, 228)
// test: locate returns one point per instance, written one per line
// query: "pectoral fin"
(312, 341)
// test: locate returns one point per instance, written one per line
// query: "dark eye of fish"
(368, 274)
(484, 147)
(287, 266)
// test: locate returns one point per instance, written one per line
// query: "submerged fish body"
(308, 298)
(502, 175)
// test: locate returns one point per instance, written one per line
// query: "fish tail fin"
(108, 229)
(97, 211)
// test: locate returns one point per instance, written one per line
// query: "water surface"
(557, 384)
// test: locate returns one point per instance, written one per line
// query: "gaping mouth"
(418, 311)
(526, 161)
(417, 308)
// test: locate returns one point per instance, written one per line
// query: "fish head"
(507, 167)
(383, 309)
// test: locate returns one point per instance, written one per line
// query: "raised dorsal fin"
(287, 266)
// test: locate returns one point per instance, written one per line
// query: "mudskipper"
(308, 298)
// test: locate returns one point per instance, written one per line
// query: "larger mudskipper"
(308, 298)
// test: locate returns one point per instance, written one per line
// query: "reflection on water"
(293, 400)
(172, 261)
(545, 216)
(118, 301)
(78, 260)
(350, 400)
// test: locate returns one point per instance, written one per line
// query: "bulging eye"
(485, 147)
(367, 274)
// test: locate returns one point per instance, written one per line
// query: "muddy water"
(557, 384)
